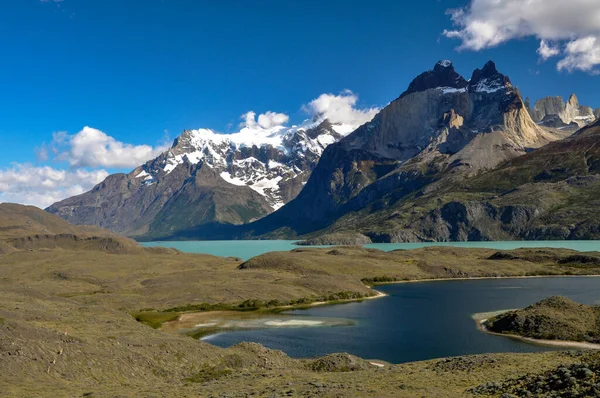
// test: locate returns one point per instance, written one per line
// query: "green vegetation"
(209, 373)
(155, 319)
(379, 280)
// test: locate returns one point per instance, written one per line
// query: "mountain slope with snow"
(210, 178)
(441, 131)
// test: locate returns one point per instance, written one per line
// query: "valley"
(69, 303)
(302, 199)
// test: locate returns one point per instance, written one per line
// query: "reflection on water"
(218, 321)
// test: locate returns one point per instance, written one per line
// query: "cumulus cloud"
(42, 186)
(570, 29)
(546, 50)
(340, 109)
(266, 120)
(89, 155)
(582, 54)
(93, 148)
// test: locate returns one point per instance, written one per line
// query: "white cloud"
(573, 28)
(93, 148)
(547, 50)
(340, 109)
(266, 120)
(583, 54)
(90, 152)
(42, 186)
(272, 119)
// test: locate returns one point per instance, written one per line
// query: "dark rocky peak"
(324, 127)
(442, 75)
(488, 79)
(183, 139)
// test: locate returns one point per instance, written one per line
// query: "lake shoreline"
(483, 278)
(480, 323)
(214, 329)
(252, 248)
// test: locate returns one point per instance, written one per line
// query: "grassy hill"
(555, 318)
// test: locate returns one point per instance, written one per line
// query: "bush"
(155, 319)
(209, 373)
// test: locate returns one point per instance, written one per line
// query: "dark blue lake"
(419, 321)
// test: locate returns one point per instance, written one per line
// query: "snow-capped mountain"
(207, 177)
(266, 160)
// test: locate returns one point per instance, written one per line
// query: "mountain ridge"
(209, 177)
(441, 131)
(422, 140)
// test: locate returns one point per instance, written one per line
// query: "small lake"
(418, 321)
(246, 249)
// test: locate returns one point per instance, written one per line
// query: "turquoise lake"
(246, 249)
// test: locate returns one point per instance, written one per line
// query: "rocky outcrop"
(547, 106)
(550, 108)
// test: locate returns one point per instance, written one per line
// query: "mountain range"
(438, 163)
(207, 178)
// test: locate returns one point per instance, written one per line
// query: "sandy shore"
(232, 320)
(555, 343)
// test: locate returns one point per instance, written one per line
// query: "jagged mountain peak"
(489, 79)
(265, 159)
(207, 177)
(488, 70)
(441, 131)
(442, 75)
(554, 110)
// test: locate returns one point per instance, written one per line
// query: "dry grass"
(66, 327)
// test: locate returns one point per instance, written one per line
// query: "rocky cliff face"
(441, 130)
(206, 179)
(548, 109)
(550, 193)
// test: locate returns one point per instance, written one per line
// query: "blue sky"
(143, 70)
